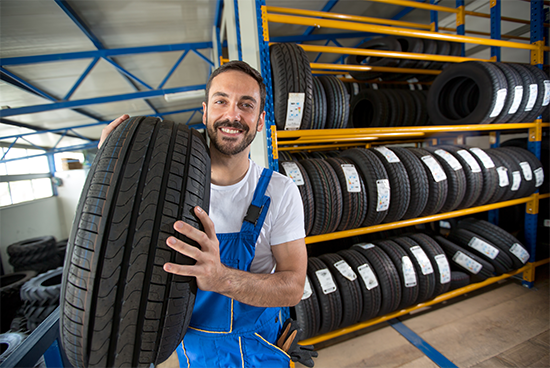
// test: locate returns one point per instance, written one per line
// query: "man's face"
(232, 115)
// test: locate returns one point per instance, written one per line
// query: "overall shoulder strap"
(255, 208)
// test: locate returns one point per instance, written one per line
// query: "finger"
(109, 128)
(177, 269)
(192, 233)
(207, 222)
(183, 248)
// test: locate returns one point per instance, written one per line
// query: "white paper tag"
(326, 281)
(368, 276)
(533, 90)
(383, 188)
(345, 270)
(467, 262)
(307, 290)
(352, 178)
(451, 160)
(516, 180)
(546, 222)
(484, 157)
(445, 224)
(526, 168)
(374, 86)
(499, 104)
(503, 180)
(474, 166)
(365, 245)
(294, 110)
(388, 154)
(422, 259)
(434, 166)
(293, 172)
(518, 96)
(483, 247)
(539, 177)
(408, 272)
(519, 252)
(444, 268)
(546, 99)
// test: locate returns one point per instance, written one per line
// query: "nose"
(233, 113)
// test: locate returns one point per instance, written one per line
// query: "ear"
(261, 122)
(204, 113)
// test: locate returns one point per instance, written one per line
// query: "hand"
(208, 270)
(109, 128)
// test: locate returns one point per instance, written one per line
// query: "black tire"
(319, 115)
(406, 270)
(489, 174)
(501, 238)
(410, 114)
(536, 165)
(396, 109)
(354, 199)
(327, 196)
(400, 188)
(513, 172)
(369, 108)
(524, 109)
(456, 178)
(291, 73)
(489, 82)
(348, 284)
(337, 99)
(36, 313)
(44, 288)
(515, 93)
(527, 186)
(418, 181)
(531, 169)
(11, 283)
(9, 343)
(330, 302)
(430, 47)
(31, 251)
(439, 261)
(421, 114)
(542, 80)
(459, 279)
(381, 43)
(437, 186)
(148, 174)
(306, 191)
(376, 182)
(307, 313)
(409, 44)
(504, 178)
(40, 267)
(386, 274)
(61, 248)
(370, 289)
(483, 248)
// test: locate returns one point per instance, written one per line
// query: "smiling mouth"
(230, 130)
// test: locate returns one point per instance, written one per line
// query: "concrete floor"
(501, 325)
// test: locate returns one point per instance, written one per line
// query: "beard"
(227, 145)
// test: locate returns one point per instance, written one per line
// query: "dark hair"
(240, 66)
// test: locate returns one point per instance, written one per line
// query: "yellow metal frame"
(383, 69)
(414, 4)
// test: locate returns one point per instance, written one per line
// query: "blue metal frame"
(328, 7)
(495, 27)
(461, 29)
(238, 26)
(434, 18)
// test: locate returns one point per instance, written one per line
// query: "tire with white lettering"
(118, 305)
(490, 83)
(291, 73)
(306, 191)
(376, 182)
(328, 295)
(307, 313)
(477, 244)
(515, 86)
(386, 274)
(527, 186)
(370, 289)
(337, 99)
(456, 178)
(543, 83)
(405, 269)
(354, 203)
(527, 100)
(437, 188)
(532, 170)
(327, 195)
(439, 261)
(418, 181)
(500, 237)
(348, 284)
(370, 108)
(488, 172)
(466, 260)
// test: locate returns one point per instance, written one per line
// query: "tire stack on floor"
(365, 187)
(39, 254)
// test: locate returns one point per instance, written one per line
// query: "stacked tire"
(39, 254)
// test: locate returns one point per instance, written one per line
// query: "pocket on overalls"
(258, 352)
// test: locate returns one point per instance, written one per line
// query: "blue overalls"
(224, 332)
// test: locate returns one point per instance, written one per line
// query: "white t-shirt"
(284, 221)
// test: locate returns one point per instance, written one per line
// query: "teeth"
(230, 131)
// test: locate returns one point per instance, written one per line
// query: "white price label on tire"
(526, 168)
(294, 110)
(383, 189)
(368, 276)
(484, 157)
(503, 180)
(546, 99)
(451, 160)
(422, 259)
(326, 281)
(467, 262)
(467, 156)
(408, 272)
(533, 90)
(499, 104)
(519, 252)
(516, 180)
(518, 96)
(353, 182)
(539, 177)
(365, 245)
(388, 154)
(345, 270)
(444, 268)
(293, 171)
(483, 247)
(307, 290)
(435, 168)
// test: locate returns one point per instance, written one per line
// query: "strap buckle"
(253, 214)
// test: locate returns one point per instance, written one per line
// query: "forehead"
(235, 83)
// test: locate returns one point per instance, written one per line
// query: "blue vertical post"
(433, 17)
(460, 26)
(495, 27)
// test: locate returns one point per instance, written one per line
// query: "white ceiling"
(42, 27)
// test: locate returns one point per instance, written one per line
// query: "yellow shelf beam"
(414, 4)
(383, 69)
(360, 27)
(416, 221)
(438, 299)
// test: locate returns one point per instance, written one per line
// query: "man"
(252, 258)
